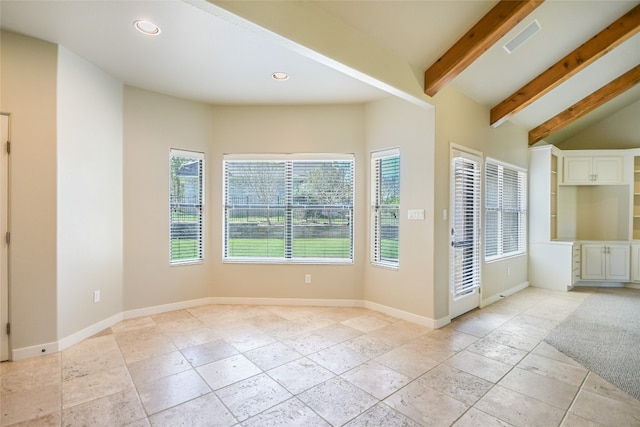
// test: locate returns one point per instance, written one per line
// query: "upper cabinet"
(593, 170)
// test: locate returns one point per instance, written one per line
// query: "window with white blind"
(385, 207)
(288, 208)
(505, 210)
(186, 203)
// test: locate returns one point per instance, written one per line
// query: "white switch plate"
(307, 279)
(444, 214)
(96, 296)
(415, 213)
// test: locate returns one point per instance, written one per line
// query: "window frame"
(521, 211)
(199, 207)
(288, 160)
(376, 209)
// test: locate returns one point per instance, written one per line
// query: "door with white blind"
(465, 251)
(4, 228)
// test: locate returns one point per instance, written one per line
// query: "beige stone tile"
(476, 418)
(570, 374)
(300, 375)
(338, 359)
(180, 325)
(340, 314)
(408, 360)
(114, 410)
(556, 310)
(571, 420)
(454, 339)
(171, 316)
(143, 343)
(513, 339)
(294, 312)
(453, 382)
(337, 400)
(400, 332)
(192, 338)
(605, 410)
(30, 373)
(376, 379)
(132, 324)
(249, 340)
(365, 323)
(163, 393)
(496, 351)
(539, 387)
(49, 420)
(252, 396)
(382, 415)
(480, 366)
(425, 405)
(545, 350)
(222, 373)
(208, 352)
(29, 404)
(479, 323)
(91, 357)
(598, 385)
(291, 413)
(338, 332)
(94, 386)
(518, 409)
(369, 346)
(143, 422)
(158, 367)
(203, 411)
(308, 343)
(272, 355)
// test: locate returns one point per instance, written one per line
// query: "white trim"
(504, 164)
(89, 331)
(388, 152)
(289, 301)
(34, 350)
(505, 293)
(196, 155)
(405, 315)
(285, 157)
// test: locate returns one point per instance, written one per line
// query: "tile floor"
(318, 366)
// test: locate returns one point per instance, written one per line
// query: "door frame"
(465, 303)
(5, 166)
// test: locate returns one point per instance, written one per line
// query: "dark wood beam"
(586, 105)
(484, 34)
(615, 34)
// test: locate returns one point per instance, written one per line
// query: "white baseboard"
(405, 315)
(164, 308)
(494, 298)
(289, 301)
(34, 350)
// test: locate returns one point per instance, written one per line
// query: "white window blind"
(288, 209)
(385, 207)
(506, 210)
(186, 204)
(465, 225)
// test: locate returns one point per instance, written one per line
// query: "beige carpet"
(603, 334)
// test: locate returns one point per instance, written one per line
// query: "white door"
(635, 263)
(593, 262)
(578, 170)
(464, 269)
(4, 227)
(608, 170)
(618, 262)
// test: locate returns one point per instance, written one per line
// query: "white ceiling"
(201, 56)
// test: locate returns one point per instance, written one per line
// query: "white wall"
(89, 190)
(394, 123)
(462, 121)
(28, 92)
(153, 124)
(620, 130)
(288, 129)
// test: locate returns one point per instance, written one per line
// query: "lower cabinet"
(609, 262)
(635, 262)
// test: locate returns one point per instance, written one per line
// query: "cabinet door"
(593, 262)
(608, 170)
(618, 262)
(578, 170)
(635, 263)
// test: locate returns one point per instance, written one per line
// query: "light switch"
(415, 214)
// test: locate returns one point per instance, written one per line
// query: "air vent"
(522, 36)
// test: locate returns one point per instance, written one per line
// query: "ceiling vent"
(522, 36)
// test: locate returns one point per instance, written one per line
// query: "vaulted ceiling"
(207, 53)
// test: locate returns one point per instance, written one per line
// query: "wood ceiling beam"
(484, 34)
(606, 40)
(586, 105)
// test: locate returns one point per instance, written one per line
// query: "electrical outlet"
(96, 297)
(307, 279)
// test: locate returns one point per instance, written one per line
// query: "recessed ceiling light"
(146, 27)
(280, 76)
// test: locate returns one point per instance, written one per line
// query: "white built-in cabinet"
(605, 261)
(593, 170)
(635, 262)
